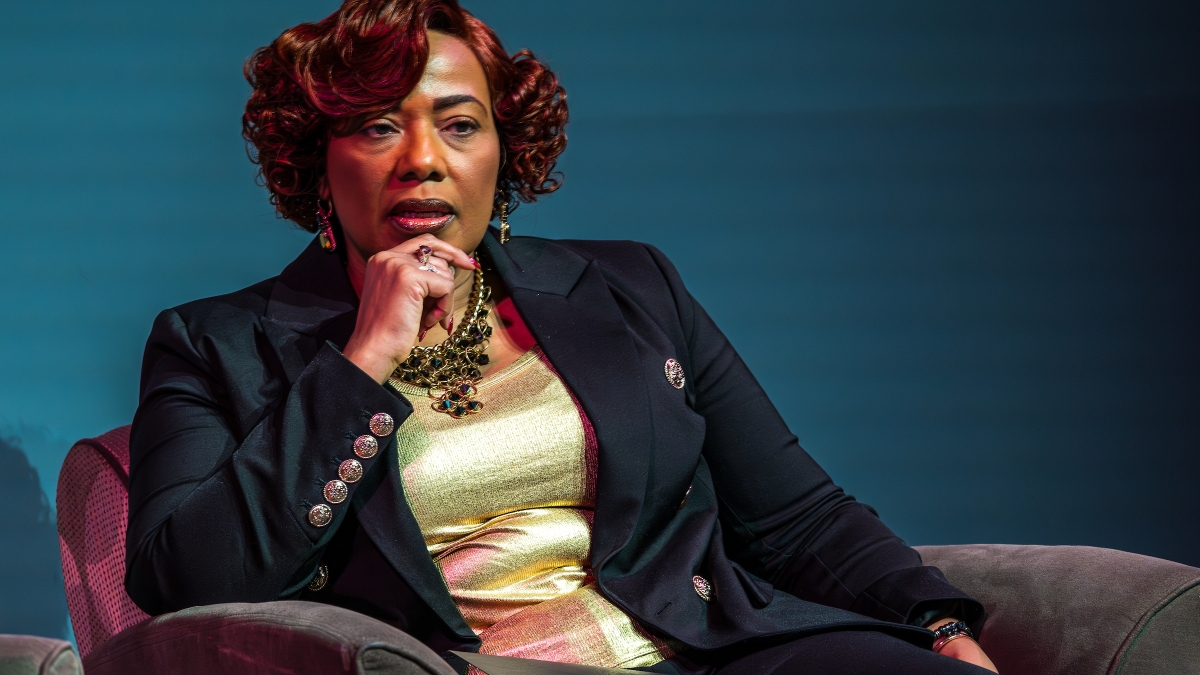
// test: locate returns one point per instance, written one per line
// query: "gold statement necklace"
(450, 370)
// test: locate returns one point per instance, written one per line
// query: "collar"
(311, 292)
(534, 264)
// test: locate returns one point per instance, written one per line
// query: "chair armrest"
(1077, 610)
(288, 636)
(37, 655)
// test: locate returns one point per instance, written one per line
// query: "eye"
(378, 129)
(462, 127)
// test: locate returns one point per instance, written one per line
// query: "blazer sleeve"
(789, 523)
(227, 460)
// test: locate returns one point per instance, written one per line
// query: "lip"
(421, 216)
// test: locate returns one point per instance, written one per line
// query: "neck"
(464, 281)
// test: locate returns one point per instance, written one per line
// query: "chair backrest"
(93, 515)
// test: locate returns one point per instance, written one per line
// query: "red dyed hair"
(322, 78)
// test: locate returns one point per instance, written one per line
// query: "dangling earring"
(505, 230)
(325, 228)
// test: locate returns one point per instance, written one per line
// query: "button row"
(351, 470)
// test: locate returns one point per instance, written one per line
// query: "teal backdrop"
(957, 242)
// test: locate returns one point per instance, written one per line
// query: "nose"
(421, 158)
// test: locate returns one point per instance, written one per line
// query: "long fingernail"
(451, 328)
(476, 262)
(421, 335)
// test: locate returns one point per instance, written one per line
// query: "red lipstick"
(421, 216)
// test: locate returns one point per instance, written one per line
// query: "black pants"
(839, 653)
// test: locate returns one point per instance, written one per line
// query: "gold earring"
(325, 228)
(505, 230)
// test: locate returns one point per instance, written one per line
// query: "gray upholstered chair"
(28, 655)
(1053, 610)
(1077, 610)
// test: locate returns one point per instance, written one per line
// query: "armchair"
(1053, 610)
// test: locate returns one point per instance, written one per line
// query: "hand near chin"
(401, 298)
(966, 649)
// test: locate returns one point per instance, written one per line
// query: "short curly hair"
(323, 78)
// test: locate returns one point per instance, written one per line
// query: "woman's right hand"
(400, 301)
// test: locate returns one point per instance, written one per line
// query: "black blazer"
(247, 407)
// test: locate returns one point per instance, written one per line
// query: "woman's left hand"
(966, 649)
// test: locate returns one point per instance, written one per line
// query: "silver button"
(674, 373)
(320, 515)
(382, 424)
(703, 588)
(350, 471)
(336, 492)
(366, 446)
(320, 580)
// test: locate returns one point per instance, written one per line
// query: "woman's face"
(428, 166)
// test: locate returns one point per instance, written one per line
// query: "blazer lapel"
(568, 306)
(312, 301)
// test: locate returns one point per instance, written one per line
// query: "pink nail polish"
(450, 330)
(421, 335)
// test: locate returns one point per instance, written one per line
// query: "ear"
(323, 189)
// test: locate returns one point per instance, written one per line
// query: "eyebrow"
(444, 102)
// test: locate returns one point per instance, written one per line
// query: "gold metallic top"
(505, 501)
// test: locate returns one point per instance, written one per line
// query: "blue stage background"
(957, 242)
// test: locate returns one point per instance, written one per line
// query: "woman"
(525, 447)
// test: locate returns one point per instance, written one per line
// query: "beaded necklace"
(452, 367)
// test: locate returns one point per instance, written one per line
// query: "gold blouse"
(505, 499)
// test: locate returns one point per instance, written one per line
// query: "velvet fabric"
(247, 406)
(1077, 610)
(272, 637)
(28, 655)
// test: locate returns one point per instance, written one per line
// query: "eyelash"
(378, 125)
(386, 129)
(469, 124)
